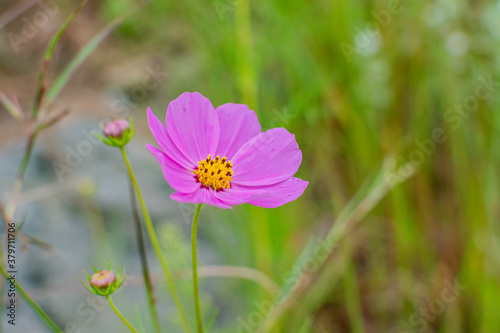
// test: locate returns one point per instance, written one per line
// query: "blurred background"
(362, 85)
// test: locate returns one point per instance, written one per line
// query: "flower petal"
(271, 196)
(238, 125)
(237, 195)
(269, 158)
(200, 195)
(178, 177)
(193, 125)
(163, 139)
(280, 194)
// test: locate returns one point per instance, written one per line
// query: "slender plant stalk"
(352, 295)
(199, 321)
(239, 272)
(141, 246)
(347, 219)
(156, 244)
(41, 90)
(42, 86)
(27, 298)
(11, 209)
(121, 316)
(8, 214)
(18, 182)
(50, 323)
(245, 59)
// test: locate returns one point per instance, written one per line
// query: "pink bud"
(103, 279)
(116, 128)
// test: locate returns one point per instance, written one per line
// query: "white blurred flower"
(367, 42)
(457, 43)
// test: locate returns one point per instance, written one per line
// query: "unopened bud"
(103, 279)
(117, 133)
(105, 282)
(116, 128)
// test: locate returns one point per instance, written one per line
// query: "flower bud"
(117, 133)
(116, 128)
(105, 282)
(103, 279)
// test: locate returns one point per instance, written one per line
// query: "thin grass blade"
(41, 87)
(82, 55)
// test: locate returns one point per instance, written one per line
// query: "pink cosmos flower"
(221, 157)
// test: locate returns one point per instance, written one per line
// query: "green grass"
(348, 116)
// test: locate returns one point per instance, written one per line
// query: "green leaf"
(99, 137)
(57, 36)
(82, 55)
(120, 284)
(365, 199)
(11, 107)
(48, 56)
(86, 286)
(87, 275)
(139, 319)
(211, 320)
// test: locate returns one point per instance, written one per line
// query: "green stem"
(39, 311)
(351, 214)
(155, 243)
(120, 315)
(352, 296)
(245, 60)
(144, 261)
(18, 182)
(199, 321)
(27, 298)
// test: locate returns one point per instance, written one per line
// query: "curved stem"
(50, 323)
(238, 272)
(141, 246)
(27, 298)
(199, 320)
(352, 214)
(120, 315)
(155, 243)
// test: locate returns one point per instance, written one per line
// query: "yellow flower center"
(214, 173)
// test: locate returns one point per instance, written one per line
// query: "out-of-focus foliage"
(357, 82)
